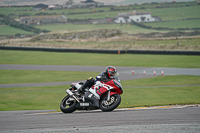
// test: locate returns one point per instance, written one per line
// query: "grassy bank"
(137, 60)
(124, 42)
(49, 97)
(131, 29)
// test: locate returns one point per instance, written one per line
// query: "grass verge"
(157, 91)
(157, 96)
(49, 97)
(136, 60)
(34, 76)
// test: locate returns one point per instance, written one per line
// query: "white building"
(135, 16)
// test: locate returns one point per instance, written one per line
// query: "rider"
(109, 74)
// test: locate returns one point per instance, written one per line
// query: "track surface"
(182, 119)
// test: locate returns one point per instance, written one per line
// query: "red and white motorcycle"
(102, 95)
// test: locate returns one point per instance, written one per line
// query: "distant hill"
(34, 2)
(98, 33)
(106, 2)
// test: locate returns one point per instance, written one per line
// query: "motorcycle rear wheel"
(114, 102)
(67, 106)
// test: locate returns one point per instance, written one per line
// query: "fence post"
(118, 51)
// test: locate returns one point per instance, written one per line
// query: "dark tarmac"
(183, 119)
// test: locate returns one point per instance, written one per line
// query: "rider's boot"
(88, 83)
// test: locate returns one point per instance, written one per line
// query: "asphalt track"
(179, 119)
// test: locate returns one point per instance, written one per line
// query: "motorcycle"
(102, 95)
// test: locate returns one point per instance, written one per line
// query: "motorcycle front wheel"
(67, 105)
(110, 105)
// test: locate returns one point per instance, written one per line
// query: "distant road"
(125, 72)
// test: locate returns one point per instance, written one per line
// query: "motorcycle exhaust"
(71, 94)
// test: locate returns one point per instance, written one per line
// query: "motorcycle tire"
(67, 108)
(114, 102)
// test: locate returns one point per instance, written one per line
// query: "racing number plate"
(84, 104)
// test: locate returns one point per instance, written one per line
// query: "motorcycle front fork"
(108, 98)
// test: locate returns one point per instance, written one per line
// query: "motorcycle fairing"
(113, 85)
(76, 85)
(90, 100)
(118, 84)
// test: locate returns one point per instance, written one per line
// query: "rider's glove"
(98, 78)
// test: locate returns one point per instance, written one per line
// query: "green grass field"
(49, 97)
(170, 13)
(13, 10)
(141, 92)
(28, 76)
(53, 58)
(177, 24)
(8, 30)
(157, 96)
(176, 13)
(173, 13)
